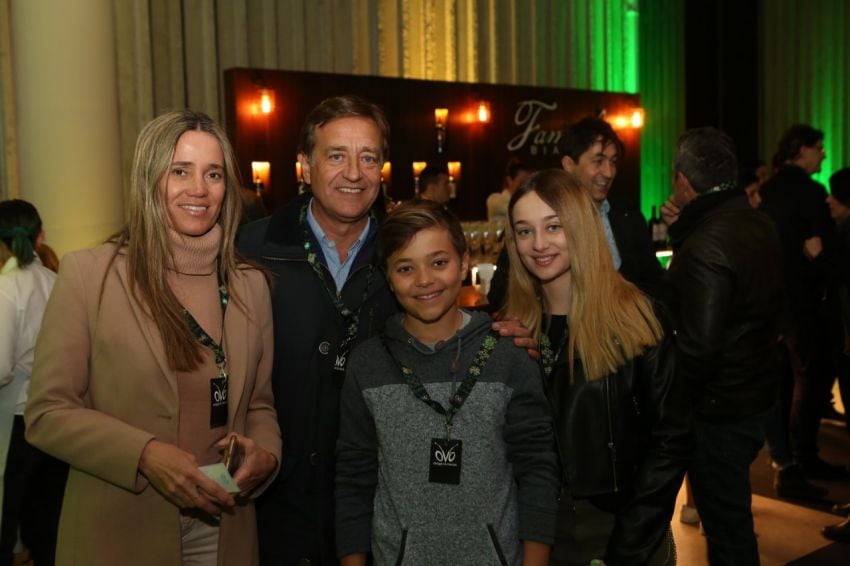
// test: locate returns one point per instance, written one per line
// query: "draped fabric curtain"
(172, 53)
(662, 92)
(805, 75)
(8, 140)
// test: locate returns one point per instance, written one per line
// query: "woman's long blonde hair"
(145, 237)
(610, 320)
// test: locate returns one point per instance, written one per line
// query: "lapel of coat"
(149, 330)
(236, 347)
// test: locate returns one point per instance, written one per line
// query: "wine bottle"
(658, 230)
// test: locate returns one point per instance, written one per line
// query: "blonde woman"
(621, 417)
(155, 350)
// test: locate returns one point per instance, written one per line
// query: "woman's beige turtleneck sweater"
(194, 282)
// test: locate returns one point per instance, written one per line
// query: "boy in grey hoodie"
(446, 453)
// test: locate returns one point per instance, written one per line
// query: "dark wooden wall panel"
(482, 148)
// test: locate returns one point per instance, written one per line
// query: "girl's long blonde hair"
(610, 320)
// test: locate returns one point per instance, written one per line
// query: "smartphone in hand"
(232, 455)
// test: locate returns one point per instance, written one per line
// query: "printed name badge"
(445, 461)
(218, 401)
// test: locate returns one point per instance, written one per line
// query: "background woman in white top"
(33, 482)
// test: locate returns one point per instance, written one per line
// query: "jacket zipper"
(611, 447)
(401, 546)
(495, 540)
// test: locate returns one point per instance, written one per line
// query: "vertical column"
(67, 117)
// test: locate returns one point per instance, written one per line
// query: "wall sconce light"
(299, 178)
(454, 177)
(441, 116)
(637, 118)
(264, 103)
(418, 166)
(632, 119)
(482, 113)
(261, 175)
(386, 172)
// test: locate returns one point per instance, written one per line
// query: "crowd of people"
(304, 390)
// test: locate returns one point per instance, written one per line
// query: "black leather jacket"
(624, 441)
(726, 295)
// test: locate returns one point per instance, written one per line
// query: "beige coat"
(102, 388)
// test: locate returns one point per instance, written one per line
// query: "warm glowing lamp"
(298, 176)
(266, 101)
(261, 175)
(386, 172)
(441, 116)
(632, 119)
(454, 177)
(637, 118)
(483, 112)
(418, 166)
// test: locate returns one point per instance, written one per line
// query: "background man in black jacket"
(591, 152)
(726, 296)
(797, 205)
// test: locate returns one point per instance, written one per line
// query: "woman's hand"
(174, 473)
(255, 466)
(522, 336)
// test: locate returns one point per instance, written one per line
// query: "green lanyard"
(457, 400)
(548, 356)
(204, 338)
(350, 318)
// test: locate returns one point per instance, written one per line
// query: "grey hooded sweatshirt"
(509, 479)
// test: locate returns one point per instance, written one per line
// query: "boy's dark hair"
(430, 175)
(410, 218)
(20, 226)
(793, 140)
(707, 158)
(579, 137)
(348, 106)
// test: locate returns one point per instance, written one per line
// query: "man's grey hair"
(707, 158)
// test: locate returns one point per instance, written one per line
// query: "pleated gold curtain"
(172, 53)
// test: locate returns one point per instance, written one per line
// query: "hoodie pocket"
(496, 546)
(401, 546)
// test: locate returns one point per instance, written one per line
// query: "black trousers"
(812, 386)
(32, 499)
(720, 478)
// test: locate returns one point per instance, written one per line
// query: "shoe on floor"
(841, 509)
(689, 515)
(819, 469)
(791, 483)
(839, 532)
